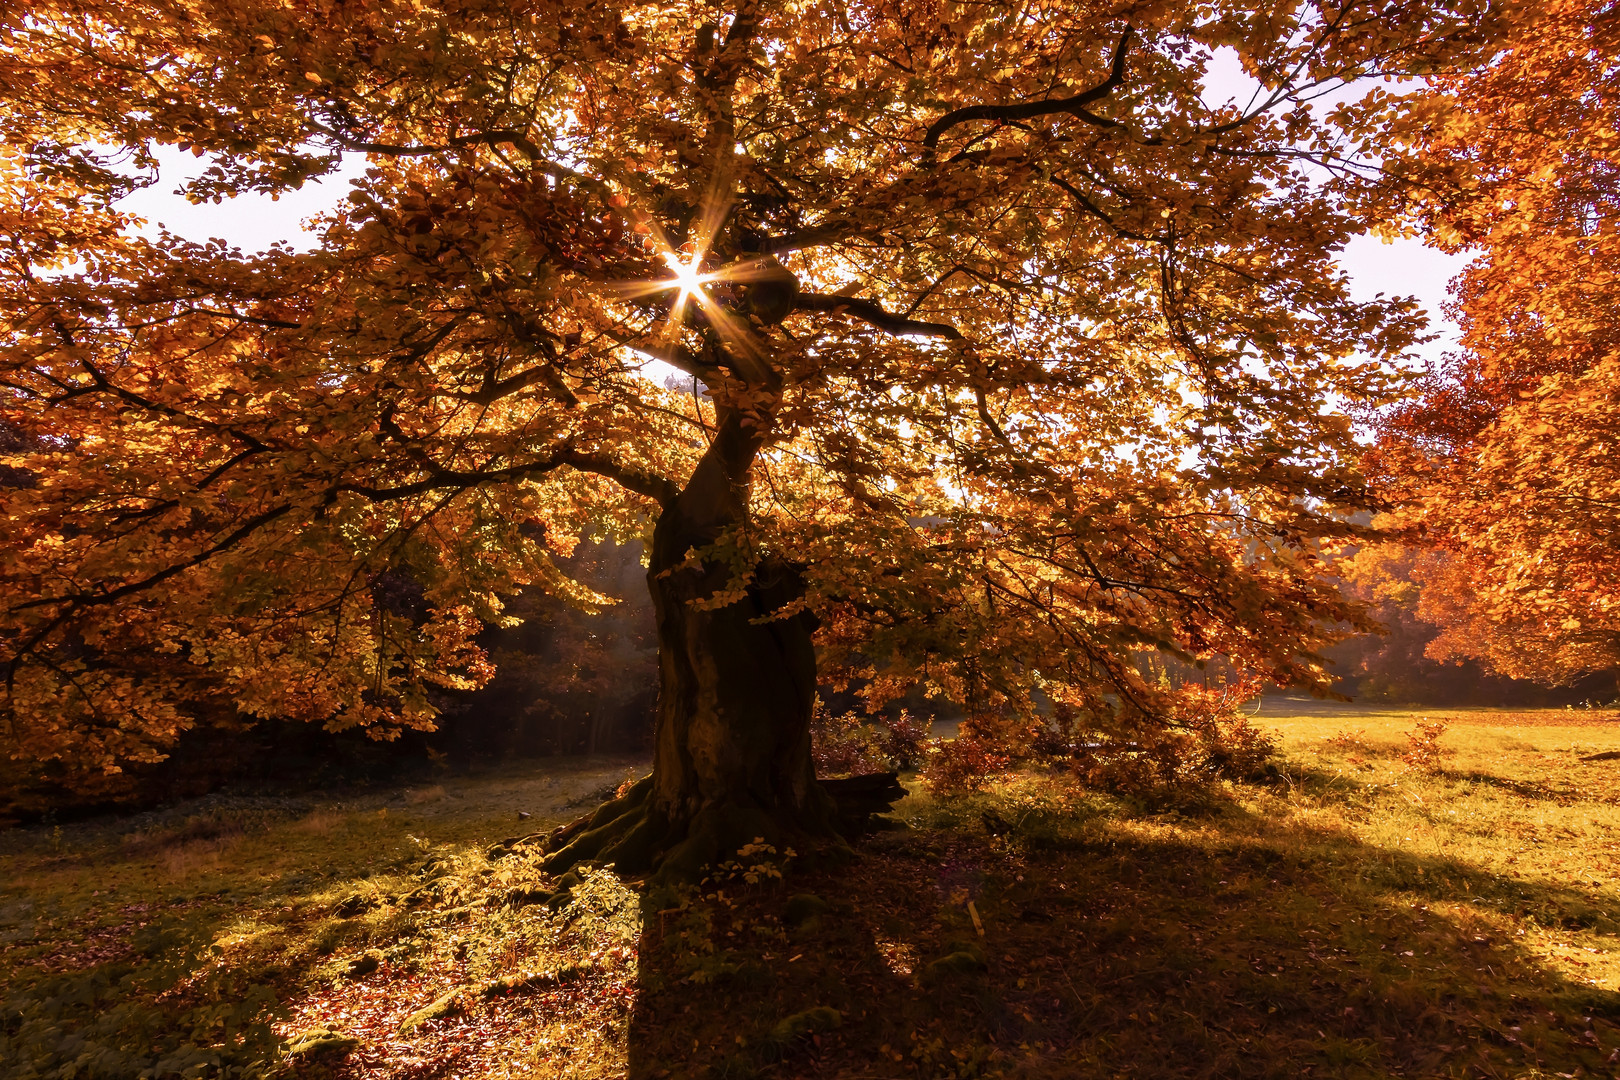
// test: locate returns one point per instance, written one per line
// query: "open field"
(1354, 918)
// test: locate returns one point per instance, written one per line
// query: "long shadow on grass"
(1528, 789)
(1110, 949)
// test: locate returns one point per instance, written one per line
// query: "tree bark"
(731, 761)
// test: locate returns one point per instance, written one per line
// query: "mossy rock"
(448, 1005)
(801, 1025)
(564, 891)
(802, 907)
(364, 964)
(321, 1043)
(962, 958)
(804, 915)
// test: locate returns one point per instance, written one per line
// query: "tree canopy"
(1013, 348)
(1508, 456)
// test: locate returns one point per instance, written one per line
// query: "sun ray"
(688, 279)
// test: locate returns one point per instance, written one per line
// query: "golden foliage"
(1049, 353)
(1511, 453)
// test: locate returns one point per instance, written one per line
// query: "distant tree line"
(567, 681)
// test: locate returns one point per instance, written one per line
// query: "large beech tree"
(1013, 350)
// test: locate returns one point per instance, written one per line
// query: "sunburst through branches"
(688, 278)
(685, 263)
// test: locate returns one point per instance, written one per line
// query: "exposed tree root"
(631, 834)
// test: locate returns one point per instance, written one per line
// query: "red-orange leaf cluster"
(1512, 454)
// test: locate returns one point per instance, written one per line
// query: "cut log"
(859, 798)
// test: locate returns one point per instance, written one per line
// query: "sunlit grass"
(1514, 803)
(352, 915)
(1355, 917)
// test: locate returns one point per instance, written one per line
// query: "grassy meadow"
(1355, 917)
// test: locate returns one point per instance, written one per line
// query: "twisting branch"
(643, 483)
(984, 414)
(656, 488)
(873, 312)
(493, 139)
(1074, 106)
(1097, 212)
(75, 603)
(257, 320)
(493, 390)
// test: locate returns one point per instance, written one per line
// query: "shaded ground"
(1354, 919)
(1140, 948)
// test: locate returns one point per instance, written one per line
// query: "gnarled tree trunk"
(732, 755)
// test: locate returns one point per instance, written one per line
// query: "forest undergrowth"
(1398, 900)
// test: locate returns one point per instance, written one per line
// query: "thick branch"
(75, 603)
(643, 483)
(871, 311)
(185, 311)
(100, 382)
(446, 478)
(493, 139)
(984, 414)
(660, 490)
(494, 390)
(716, 494)
(1074, 106)
(485, 138)
(1097, 212)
